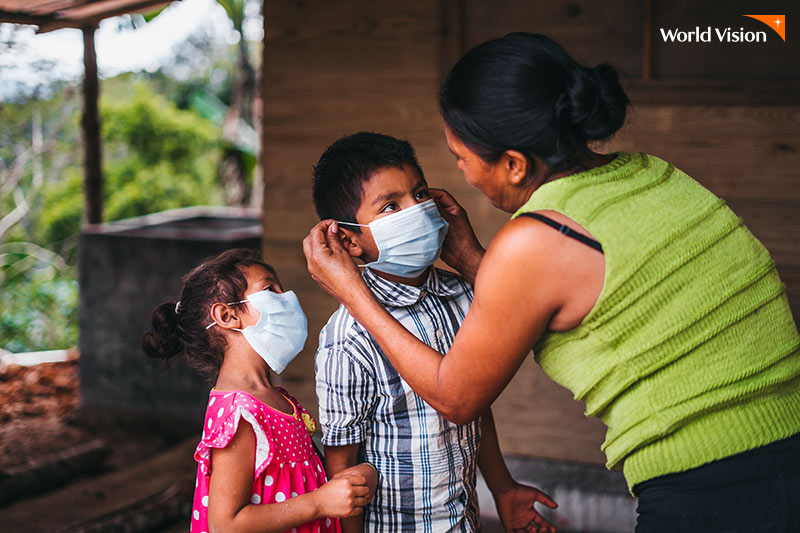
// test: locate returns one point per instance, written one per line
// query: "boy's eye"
(423, 193)
(391, 206)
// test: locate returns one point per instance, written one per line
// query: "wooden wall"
(336, 68)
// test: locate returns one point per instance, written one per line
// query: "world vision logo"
(727, 35)
(776, 22)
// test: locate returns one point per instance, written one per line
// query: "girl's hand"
(342, 497)
(329, 263)
(517, 512)
(365, 470)
(461, 249)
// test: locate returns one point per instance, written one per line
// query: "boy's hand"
(517, 512)
(461, 249)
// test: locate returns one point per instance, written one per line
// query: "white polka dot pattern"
(289, 465)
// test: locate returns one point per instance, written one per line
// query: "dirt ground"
(39, 416)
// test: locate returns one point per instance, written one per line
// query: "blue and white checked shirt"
(427, 465)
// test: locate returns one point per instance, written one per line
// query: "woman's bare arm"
(530, 277)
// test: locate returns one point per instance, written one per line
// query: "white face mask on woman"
(408, 241)
(281, 330)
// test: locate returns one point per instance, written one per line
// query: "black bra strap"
(566, 230)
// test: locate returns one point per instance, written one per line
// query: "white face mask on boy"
(408, 241)
(281, 330)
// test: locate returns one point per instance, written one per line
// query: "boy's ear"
(350, 241)
(516, 166)
(225, 316)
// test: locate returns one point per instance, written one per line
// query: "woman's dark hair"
(180, 328)
(524, 92)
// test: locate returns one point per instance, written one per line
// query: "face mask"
(408, 241)
(281, 331)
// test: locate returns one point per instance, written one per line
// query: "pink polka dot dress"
(286, 464)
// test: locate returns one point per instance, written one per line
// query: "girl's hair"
(524, 92)
(180, 328)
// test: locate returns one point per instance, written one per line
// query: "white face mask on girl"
(281, 330)
(408, 241)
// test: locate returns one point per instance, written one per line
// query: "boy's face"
(388, 191)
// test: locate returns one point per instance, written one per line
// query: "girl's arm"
(514, 500)
(231, 483)
(530, 279)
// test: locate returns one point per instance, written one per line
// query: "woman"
(652, 302)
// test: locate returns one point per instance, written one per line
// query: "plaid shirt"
(427, 465)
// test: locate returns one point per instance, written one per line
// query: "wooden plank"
(591, 32)
(738, 152)
(714, 92)
(537, 417)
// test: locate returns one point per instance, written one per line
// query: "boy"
(374, 186)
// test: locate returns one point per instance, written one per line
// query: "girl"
(234, 324)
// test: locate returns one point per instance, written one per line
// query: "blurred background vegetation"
(180, 136)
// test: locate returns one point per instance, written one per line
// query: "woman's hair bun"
(593, 105)
(162, 341)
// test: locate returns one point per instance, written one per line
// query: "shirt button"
(439, 334)
(464, 443)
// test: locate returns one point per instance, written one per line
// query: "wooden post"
(647, 41)
(453, 33)
(90, 124)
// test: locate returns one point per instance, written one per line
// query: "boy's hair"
(348, 163)
(181, 327)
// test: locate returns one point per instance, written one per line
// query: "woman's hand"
(461, 249)
(517, 512)
(329, 263)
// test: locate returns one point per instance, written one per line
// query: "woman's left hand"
(329, 263)
(517, 512)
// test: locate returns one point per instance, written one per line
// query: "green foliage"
(155, 157)
(39, 314)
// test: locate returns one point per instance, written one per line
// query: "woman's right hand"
(342, 496)
(461, 249)
(330, 265)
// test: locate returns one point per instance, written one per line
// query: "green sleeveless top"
(691, 353)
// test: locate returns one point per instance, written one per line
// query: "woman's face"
(484, 176)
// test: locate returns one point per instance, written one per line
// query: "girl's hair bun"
(162, 341)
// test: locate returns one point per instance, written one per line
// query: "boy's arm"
(514, 501)
(338, 459)
(346, 395)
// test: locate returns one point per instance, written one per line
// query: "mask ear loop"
(229, 303)
(351, 224)
(354, 224)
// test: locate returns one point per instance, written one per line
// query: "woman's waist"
(730, 429)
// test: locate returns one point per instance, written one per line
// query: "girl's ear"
(349, 240)
(225, 316)
(516, 167)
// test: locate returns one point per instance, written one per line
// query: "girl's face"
(258, 279)
(486, 177)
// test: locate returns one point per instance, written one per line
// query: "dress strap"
(566, 230)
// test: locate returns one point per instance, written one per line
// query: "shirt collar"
(393, 294)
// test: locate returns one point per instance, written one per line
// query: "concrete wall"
(336, 68)
(126, 269)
